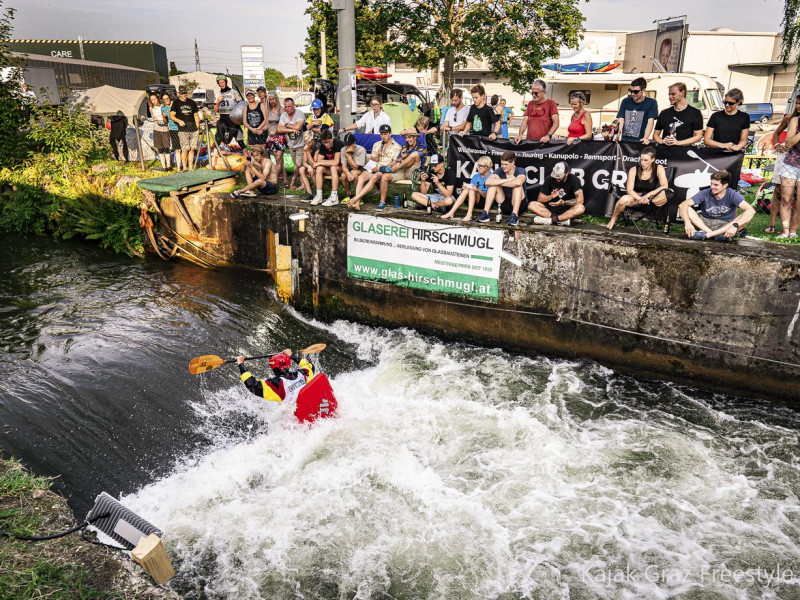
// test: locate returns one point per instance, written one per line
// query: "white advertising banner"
(252, 66)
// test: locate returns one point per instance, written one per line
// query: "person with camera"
(436, 186)
(260, 174)
(560, 199)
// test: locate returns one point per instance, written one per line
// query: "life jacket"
(292, 387)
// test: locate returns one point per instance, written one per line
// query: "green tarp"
(178, 181)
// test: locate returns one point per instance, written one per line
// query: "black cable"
(56, 535)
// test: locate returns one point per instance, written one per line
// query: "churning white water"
(454, 473)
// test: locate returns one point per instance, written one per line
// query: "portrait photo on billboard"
(669, 42)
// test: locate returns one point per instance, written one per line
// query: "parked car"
(760, 112)
(203, 97)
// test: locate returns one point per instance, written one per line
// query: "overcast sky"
(280, 25)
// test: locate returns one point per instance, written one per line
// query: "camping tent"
(107, 100)
(401, 115)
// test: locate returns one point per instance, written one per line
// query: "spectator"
(482, 120)
(580, 125)
(728, 129)
(682, 123)
(28, 95)
(647, 184)
(354, 157)
(436, 186)
(291, 125)
(259, 172)
(777, 141)
(384, 153)
(276, 141)
(160, 130)
(560, 199)
(505, 114)
(511, 182)
(255, 119)
(372, 121)
(319, 120)
(540, 120)
(789, 209)
(306, 168)
(455, 119)
(227, 98)
(119, 131)
(474, 190)
(166, 108)
(327, 160)
(185, 113)
(637, 114)
(411, 158)
(261, 92)
(717, 218)
(427, 134)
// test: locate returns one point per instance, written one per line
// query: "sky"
(280, 25)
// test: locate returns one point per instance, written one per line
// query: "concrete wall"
(648, 305)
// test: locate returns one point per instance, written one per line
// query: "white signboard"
(436, 257)
(252, 66)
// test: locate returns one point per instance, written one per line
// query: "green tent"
(402, 116)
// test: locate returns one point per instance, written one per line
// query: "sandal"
(770, 230)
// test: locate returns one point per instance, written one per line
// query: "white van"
(605, 91)
(203, 97)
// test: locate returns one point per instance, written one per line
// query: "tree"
(790, 42)
(273, 78)
(370, 39)
(514, 36)
(173, 70)
(12, 109)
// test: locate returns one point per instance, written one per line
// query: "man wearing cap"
(291, 125)
(319, 121)
(185, 113)
(436, 187)
(508, 186)
(354, 157)
(384, 153)
(227, 98)
(560, 199)
(411, 158)
(371, 121)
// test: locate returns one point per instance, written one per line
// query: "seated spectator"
(508, 186)
(318, 121)
(637, 114)
(384, 153)
(427, 134)
(728, 129)
(436, 187)
(411, 158)
(260, 174)
(306, 168)
(560, 199)
(474, 190)
(647, 184)
(327, 161)
(372, 120)
(455, 119)
(580, 125)
(354, 157)
(681, 124)
(717, 217)
(482, 119)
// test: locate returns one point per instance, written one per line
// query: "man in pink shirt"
(540, 120)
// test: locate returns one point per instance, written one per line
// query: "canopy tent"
(401, 115)
(106, 100)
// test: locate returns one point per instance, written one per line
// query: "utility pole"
(323, 67)
(196, 56)
(346, 17)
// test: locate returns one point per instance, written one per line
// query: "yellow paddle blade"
(201, 364)
(315, 349)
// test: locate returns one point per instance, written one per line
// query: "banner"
(435, 257)
(669, 44)
(600, 166)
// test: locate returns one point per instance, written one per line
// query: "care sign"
(427, 256)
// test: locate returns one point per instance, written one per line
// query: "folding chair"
(654, 216)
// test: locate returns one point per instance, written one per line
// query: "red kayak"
(368, 69)
(316, 400)
(373, 76)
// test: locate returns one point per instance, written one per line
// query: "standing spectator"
(226, 99)
(276, 141)
(411, 158)
(717, 219)
(384, 153)
(319, 120)
(540, 120)
(580, 124)
(259, 172)
(455, 119)
(166, 108)
(474, 190)
(560, 199)
(373, 120)
(680, 124)
(327, 160)
(261, 92)
(354, 157)
(28, 95)
(482, 118)
(508, 186)
(160, 130)
(790, 209)
(255, 119)
(436, 188)
(728, 129)
(291, 125)
(777, 140)
(185, 113)
(647, 184)
(637, 114)
(119, 131)
(505, 114)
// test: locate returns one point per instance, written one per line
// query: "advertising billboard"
(669, 43)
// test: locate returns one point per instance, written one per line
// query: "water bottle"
(397, 201)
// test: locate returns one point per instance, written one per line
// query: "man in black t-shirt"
(560, 199)
(728, 129)
(680, 124)
(436, 187)
(185, 113)
(482, 119)
(328, 160)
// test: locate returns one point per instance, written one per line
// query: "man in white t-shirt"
(226, 99)
(291, 125)
(456, 116)
(372, 120)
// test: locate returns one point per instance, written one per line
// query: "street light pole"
(346, 16)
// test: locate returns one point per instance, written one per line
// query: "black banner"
(600, 166)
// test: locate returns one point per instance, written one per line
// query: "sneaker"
(331, 202)
(512, 220)
(381, 206)
(484, 218)
(317, 200)
(743, 233)
(542, 220)
(564, 223)
(235, 194)
(249, 194)
(306, 198)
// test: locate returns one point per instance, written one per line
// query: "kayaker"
(287, 381)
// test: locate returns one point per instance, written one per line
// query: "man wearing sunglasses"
(637, 114)
(540, 120)
(681, 124)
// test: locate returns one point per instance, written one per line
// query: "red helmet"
(279, 362)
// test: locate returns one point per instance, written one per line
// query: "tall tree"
(370, 39)
(273, 78)
(12, 111)
(790, 41)
(514, 36)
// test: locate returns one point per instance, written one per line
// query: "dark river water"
(452, 471)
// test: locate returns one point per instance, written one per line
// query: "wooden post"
(152, 556)
(138, 140)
